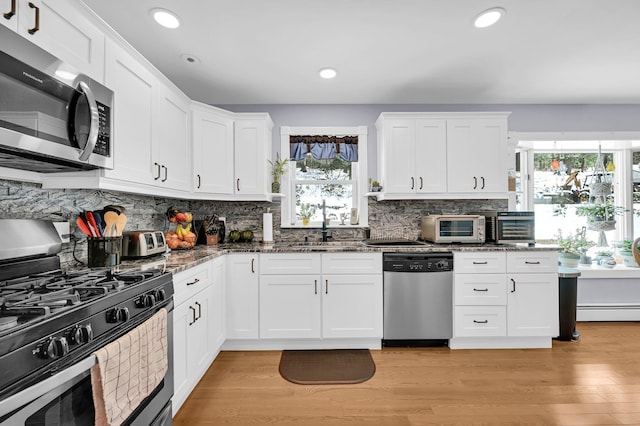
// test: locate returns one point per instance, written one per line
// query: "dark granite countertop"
(180, 260)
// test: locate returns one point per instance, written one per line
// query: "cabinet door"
(476, 155)
(212, 152)
(134, 113)
(65, 33)
(191, 354)
(172, 147)
(532, 305)
(290, 306)
(216, 312)
(242, 294)
(352, 305)
(430, 156)
(399, 156)
(250, 157)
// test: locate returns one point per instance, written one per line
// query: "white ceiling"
(391, 51)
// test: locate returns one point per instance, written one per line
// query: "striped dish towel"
(129, 369)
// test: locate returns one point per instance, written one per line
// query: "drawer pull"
(480, 289)
(532, 263)
(514, 285)
(196, 281)
(481, 322)
(36, 27)
(480, 263)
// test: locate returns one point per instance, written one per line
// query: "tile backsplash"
(386, 218)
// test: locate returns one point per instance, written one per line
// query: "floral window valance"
(324, 147)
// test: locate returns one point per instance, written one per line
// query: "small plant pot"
(305, 221)
(570, 260)
(628, 259)
(275, 187)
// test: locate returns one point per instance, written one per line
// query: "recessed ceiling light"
(328, 73)
(489, 17)
(190, 59)
(165, 18)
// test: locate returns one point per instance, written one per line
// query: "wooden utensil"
(110, 219)
(120, 224)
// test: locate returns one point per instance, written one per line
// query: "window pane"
(311, 169)
(636, 193)
(562, 183)
(337, 197)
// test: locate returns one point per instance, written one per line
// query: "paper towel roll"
(267, 227)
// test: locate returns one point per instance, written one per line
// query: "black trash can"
(568, 300)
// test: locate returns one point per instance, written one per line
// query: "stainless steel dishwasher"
(418, 299)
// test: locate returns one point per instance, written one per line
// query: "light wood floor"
(595, 381)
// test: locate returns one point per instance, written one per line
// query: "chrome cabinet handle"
(482, 177)
(196, 281)
(480, 289)
(481, 322)
(158, 170)
(12, 12)
(413, 181)
(92, 137)
(475, 182)
(514, 285)
(35, 29)
(165, 173)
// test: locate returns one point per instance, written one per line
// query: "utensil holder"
(102, 252)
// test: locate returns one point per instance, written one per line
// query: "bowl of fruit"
(183, 237)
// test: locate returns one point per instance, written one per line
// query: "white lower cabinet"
(242, 294)
(301, 296)
(194, 322)
(505, 299)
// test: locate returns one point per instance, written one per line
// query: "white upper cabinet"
(252, 148)
(477, 155)
(212, 136)
(60, 28)
(442, 155)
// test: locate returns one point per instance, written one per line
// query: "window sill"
(317, 226)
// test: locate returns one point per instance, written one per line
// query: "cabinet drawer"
(480, 289)
(189, 282)
(480, 321)
(352, 263)
(480, 262)
(289, 263)
(530, 261)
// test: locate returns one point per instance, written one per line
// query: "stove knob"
(160, 294)
(146, 301)
(81, 334)
(54, 347)
(118, 315)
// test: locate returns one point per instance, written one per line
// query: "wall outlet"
(63, 231)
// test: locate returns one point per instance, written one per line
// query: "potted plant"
(278, 169)
(572, 247)
(375, 186)
(306, 211)
(600, 217)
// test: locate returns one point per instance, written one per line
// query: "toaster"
(137, 244)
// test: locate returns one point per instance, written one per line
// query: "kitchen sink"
(393, 242)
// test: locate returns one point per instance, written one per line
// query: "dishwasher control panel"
(417, 262)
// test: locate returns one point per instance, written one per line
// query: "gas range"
(51, 319)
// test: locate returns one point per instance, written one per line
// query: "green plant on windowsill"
(573, 247)
(626, 253)
(278, 169)
(307, 210)
(600, 212)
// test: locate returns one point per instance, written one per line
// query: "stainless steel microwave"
(441, 228)
(52, 118)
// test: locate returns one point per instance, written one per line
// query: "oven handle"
(27, 395)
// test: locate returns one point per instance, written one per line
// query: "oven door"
(66, 398)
